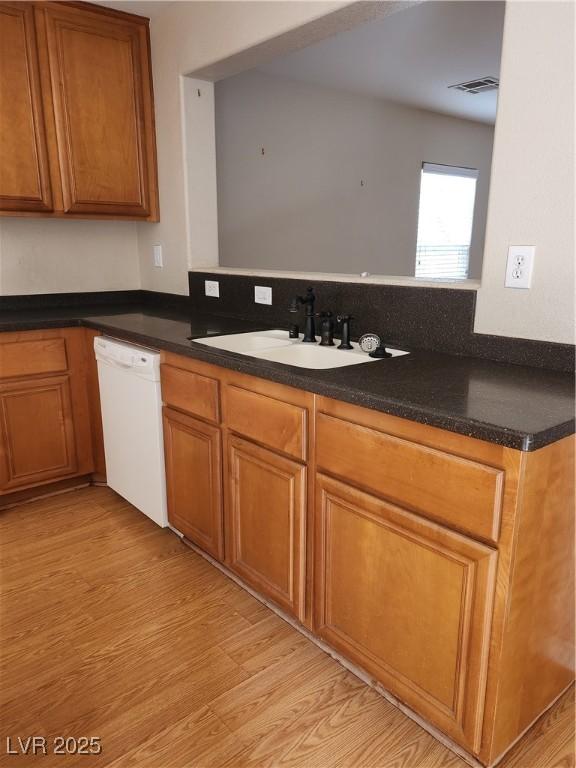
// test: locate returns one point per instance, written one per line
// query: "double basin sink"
(275, 346)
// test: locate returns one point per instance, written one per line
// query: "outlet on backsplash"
(212, 288)
(262, 294)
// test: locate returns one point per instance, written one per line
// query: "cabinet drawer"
(190, 392)
(32, 357)
(459, 492)
(274, 423)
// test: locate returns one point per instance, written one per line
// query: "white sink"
(248, 343)
(276, 347)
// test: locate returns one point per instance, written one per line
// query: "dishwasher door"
(131, 402)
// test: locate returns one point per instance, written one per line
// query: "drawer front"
(276, 424)
(453, 490)
(191, 392)
(32, 357)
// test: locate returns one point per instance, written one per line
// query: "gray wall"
(301, 205)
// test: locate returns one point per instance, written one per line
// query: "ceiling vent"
(480, 85)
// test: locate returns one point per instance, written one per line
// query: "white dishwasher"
(131, 402)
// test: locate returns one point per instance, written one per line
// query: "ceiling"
(148, 8)
(411, 57)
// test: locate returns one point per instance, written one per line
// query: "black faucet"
(344, 321)
(308, 302)
(326, 329)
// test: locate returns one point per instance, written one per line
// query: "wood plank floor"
(110, 627)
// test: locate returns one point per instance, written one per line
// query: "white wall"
(302, 205)
(54, 256)
(187, 37)
(532, 192)
(200, 152)
(532, 197)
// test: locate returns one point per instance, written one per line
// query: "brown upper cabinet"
(76, 113)
(24, 173)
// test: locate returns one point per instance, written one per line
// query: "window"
(445, 218)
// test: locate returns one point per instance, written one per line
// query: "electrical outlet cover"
(157, 255)
(212, 288)
(519, 266)
(262, 294)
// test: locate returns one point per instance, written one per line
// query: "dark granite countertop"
(512, 405)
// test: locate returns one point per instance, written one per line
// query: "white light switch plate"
(157, 255)
(262, 294)
(212, 288)
(519, 266)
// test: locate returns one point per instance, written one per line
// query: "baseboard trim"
(530, 726)
(43, 492)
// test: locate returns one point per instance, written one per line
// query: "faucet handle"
(344, 321)
(293, 306)
(310, 297)
(326, 329)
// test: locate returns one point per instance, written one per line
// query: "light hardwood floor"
(111, 627)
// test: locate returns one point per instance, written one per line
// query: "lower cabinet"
(266, 522)
(37, 432)
(194, 480)
(409, 601)
(46, 433)
(421, 559)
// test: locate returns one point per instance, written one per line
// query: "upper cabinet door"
(24, 173)
(102, 92)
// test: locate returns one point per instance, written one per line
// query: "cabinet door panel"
(37, 429)
(101, 91)
(266, 522)
(24, 173)
(407, 600)
(193, 480)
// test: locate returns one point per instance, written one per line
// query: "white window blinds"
(445, 218)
